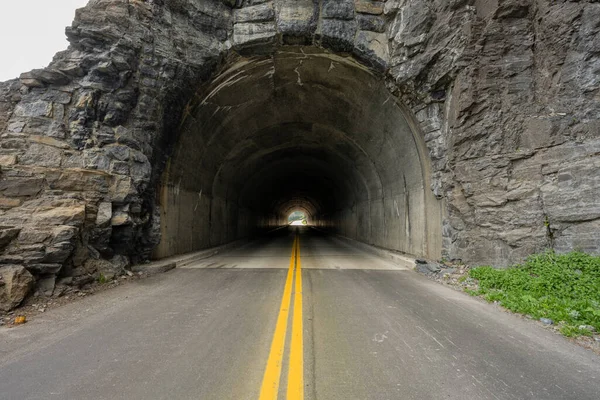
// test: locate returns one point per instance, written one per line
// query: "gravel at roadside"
(39, 303)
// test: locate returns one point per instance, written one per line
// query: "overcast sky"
(31, 32)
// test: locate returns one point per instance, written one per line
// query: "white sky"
(31, 32)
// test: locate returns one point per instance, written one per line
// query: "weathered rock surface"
(505, 94)
(15, 284)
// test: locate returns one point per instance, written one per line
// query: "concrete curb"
(154, 268)
(167, 264)
(398, 258)
(189, 258)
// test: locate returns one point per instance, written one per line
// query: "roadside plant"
(562, 287)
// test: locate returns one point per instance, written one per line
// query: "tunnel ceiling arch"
(299, 129)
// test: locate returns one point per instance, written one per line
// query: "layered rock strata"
(505, 94)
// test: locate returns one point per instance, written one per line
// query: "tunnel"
(304, 130)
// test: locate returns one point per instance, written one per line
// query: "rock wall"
(519, 125)
(505, 93)
(79, 137)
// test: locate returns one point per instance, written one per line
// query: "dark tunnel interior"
(300, 130)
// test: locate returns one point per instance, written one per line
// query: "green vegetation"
(102, 279)
(561, 287)
(297, 216)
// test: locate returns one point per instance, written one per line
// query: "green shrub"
(562, 287)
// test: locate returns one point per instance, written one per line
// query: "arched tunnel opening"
(297, 218)
(300, 129)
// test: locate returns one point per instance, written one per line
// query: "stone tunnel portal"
(304, 130)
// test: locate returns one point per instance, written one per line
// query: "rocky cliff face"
(506, 93)
(522, 132)
(78, 137)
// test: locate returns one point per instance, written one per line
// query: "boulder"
(15, 284)
(44, 269)
(7, 235)
(120, 218)
(63, 215)
(46, 285)
(104, 214)
(120, 262)
(106, 270)
(58, 253)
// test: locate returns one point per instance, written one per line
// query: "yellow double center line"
(295, 378)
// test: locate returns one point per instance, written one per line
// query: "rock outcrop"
(505, 93)
(15, 284)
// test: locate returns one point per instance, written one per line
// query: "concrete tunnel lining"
(299, 129)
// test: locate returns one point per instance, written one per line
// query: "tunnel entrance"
(297, 218)
(300, 129)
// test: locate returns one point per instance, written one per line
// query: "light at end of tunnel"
(297, 218)
(299, 223)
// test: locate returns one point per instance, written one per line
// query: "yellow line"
(270, 384)
(295, 385)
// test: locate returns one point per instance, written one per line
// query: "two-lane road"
(369, 330)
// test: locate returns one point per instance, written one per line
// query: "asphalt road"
(366, 329)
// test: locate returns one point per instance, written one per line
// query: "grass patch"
(562, 287)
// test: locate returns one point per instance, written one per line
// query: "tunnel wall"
(191, 222)
(505, 94)
(401, 222)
